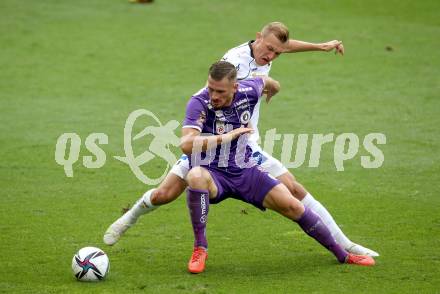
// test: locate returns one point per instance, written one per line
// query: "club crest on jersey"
(245, 117)
(220, 127)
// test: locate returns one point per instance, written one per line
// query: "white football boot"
(361, 250)
(122, 224)
(118, 228)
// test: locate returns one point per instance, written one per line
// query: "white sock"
(319, 209)
(142, 206)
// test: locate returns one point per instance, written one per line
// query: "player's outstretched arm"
(192, 141)
(271, 87)
(300, 46)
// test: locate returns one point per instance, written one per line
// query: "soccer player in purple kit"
(222, 166)
(251, 59)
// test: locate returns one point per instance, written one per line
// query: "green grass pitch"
(82, 66)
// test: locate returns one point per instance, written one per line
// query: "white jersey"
(247, 68)
(243, 59)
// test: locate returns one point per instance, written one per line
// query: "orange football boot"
(196, 264)
(360, 260)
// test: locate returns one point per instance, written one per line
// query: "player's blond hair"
(279, 30)
(222, 69)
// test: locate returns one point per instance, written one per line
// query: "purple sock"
(313, 226)
(198, 204)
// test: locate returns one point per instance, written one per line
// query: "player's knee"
(162, 196)
(293, 210)
(288, 180)
(298, 191)
(295, 188)
(197, 178)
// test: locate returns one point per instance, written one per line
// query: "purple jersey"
(202, 116)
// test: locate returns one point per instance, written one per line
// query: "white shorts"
(181, 167)
(269, 164)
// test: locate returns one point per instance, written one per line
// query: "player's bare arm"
(294, 46)
(191, 139)
(271, 87)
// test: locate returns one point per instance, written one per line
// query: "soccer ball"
(90, 264)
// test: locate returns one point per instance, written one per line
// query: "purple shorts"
(251, 185)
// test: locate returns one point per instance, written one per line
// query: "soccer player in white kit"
(253, 58)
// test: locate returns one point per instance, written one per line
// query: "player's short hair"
(221, 69)
(279, 30)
